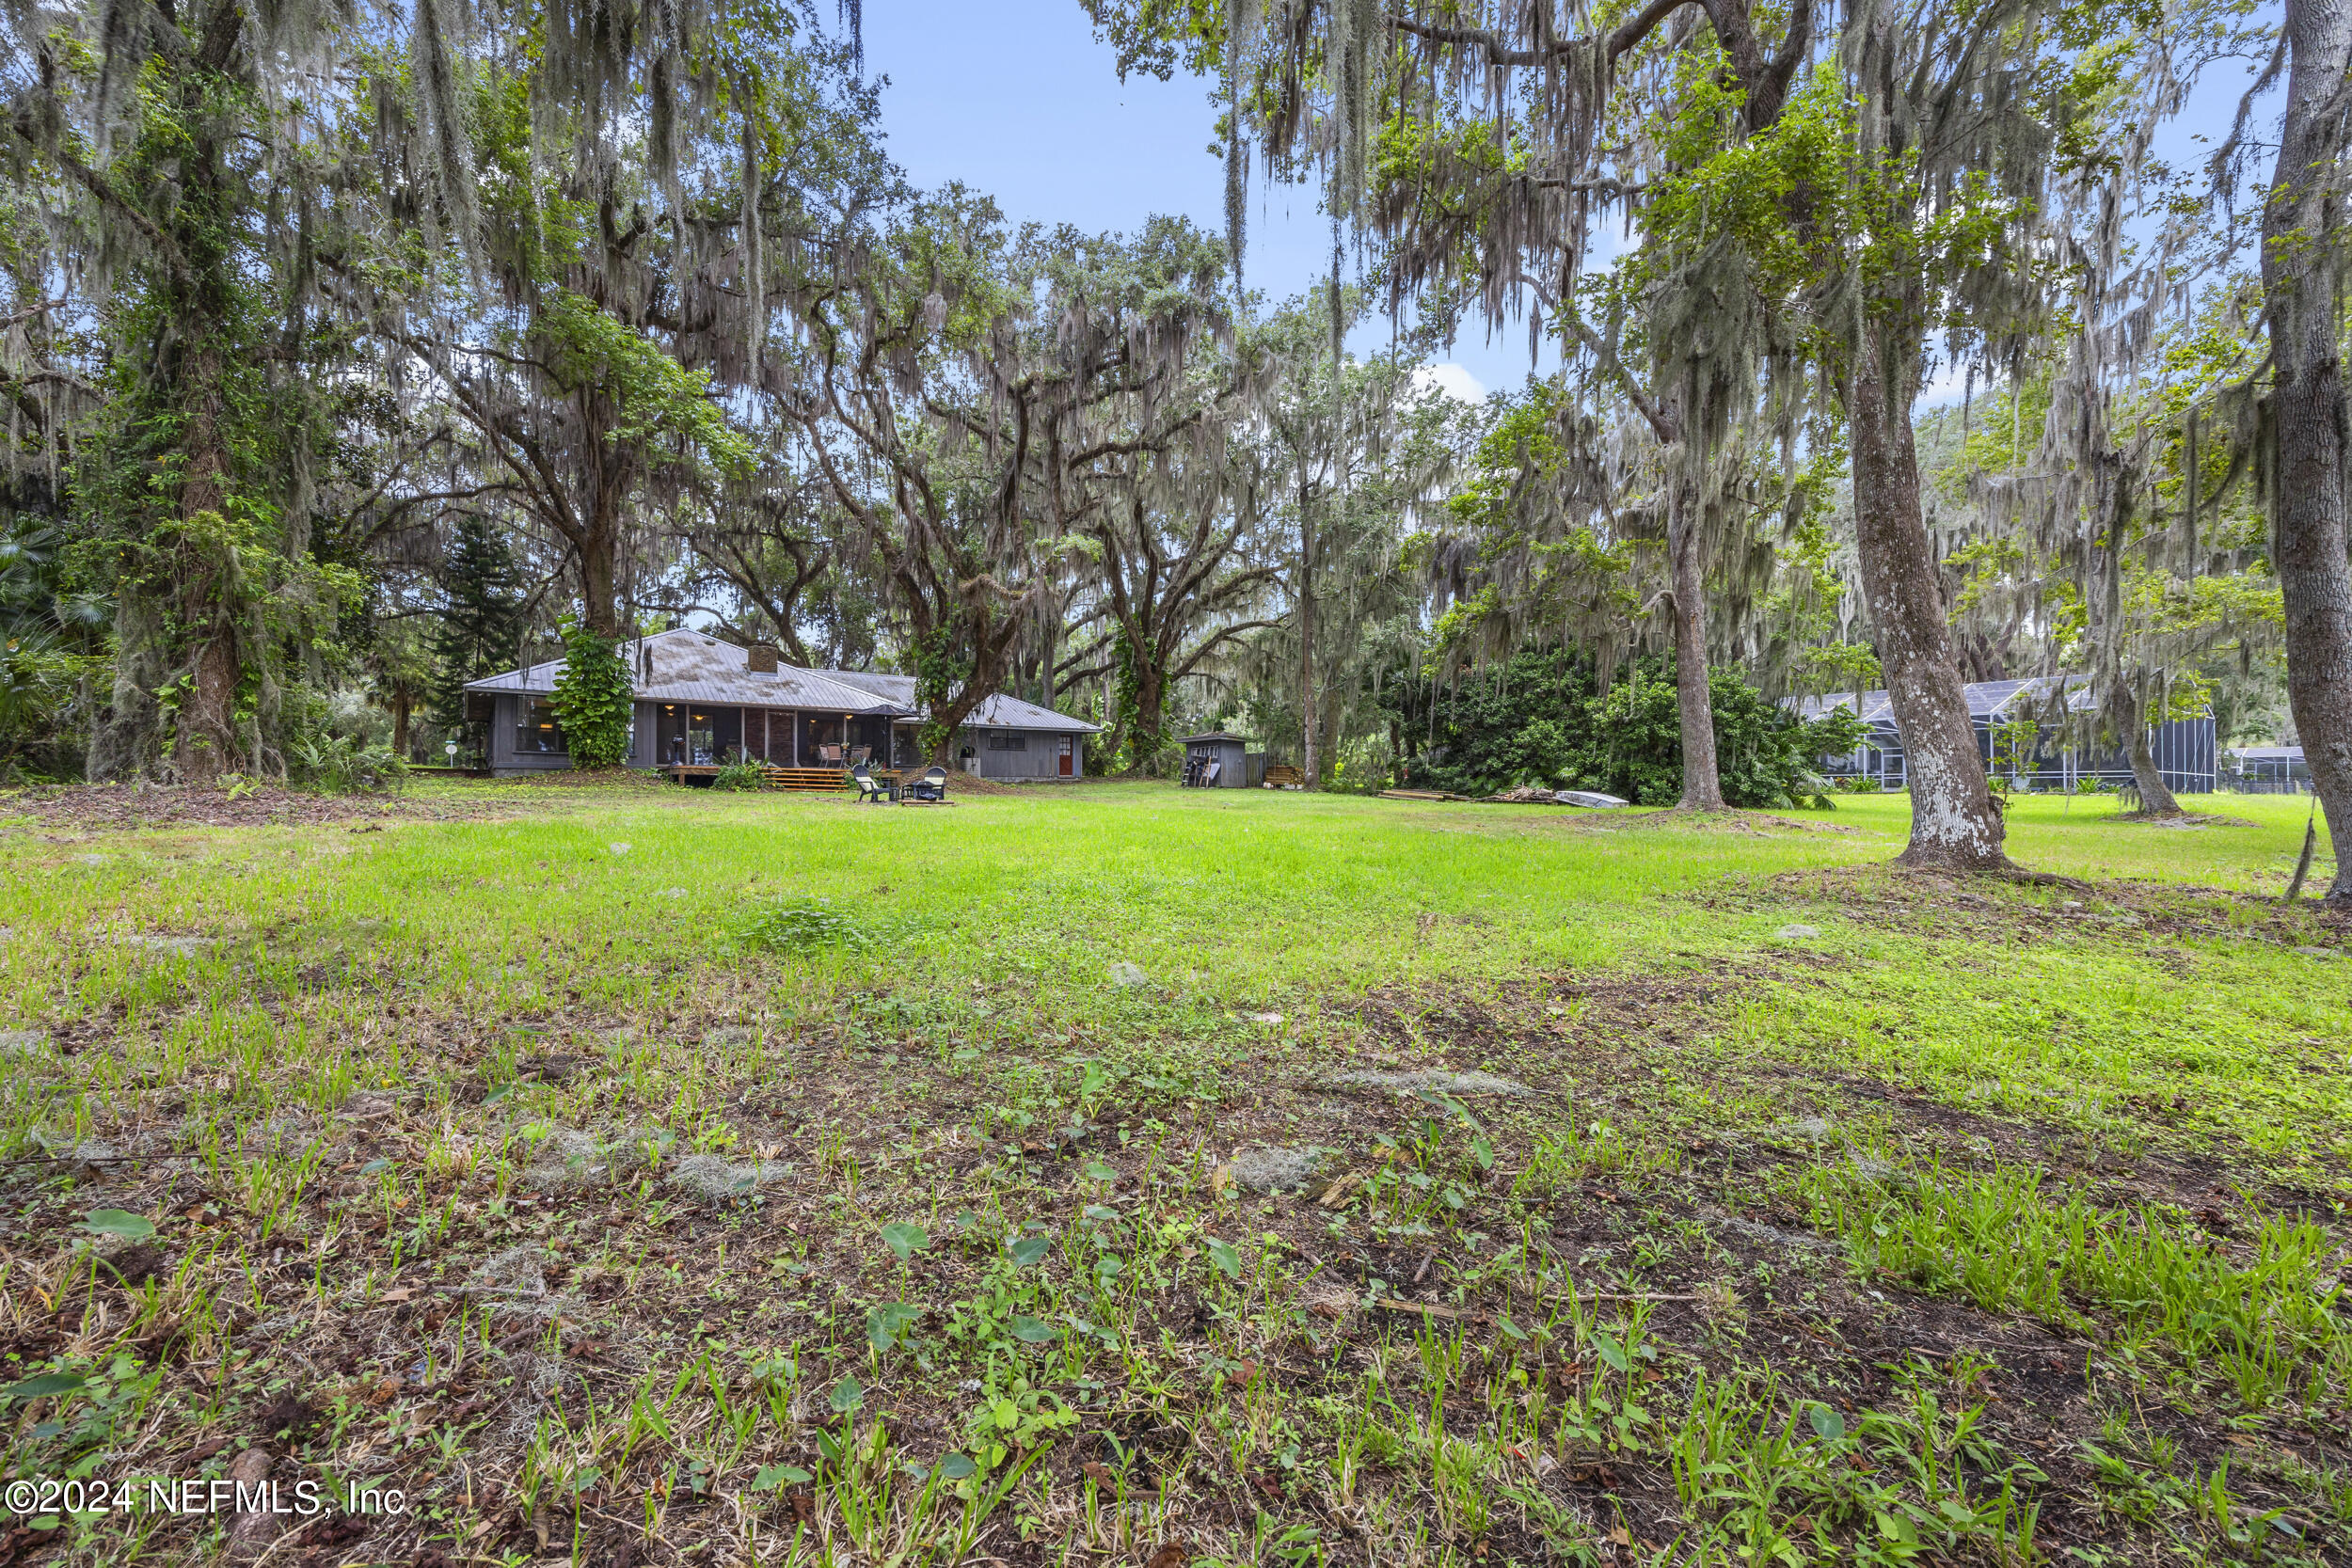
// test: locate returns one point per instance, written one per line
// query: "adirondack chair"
(932, 786)
(870, 789)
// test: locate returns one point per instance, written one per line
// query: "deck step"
(807, 778)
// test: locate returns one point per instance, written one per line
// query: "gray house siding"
(694, 691)
(505, 753)
(1016, 755)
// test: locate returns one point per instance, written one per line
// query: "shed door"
(1065, 758)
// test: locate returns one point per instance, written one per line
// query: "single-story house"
(702, 701)
(2184, 749)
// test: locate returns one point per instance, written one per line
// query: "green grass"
(711, 1176)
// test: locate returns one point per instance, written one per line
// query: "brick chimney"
(763, 658)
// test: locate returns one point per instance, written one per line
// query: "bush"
(592, 699)
(1534, 720)
(342, 764)
(1764, 753)
(739, 772)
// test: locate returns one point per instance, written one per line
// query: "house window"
(1008, 740)
(539, 733)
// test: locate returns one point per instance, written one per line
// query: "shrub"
(739, 772)
(592, 698)
(1765, 754)
(1535, 720)
(341, 765)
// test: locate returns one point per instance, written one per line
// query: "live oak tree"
(1174, 498)
(641, 188)
(2303, 275)
(183, 161)
(977, 398)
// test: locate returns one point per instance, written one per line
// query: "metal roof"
(689, 666)
(1989, 700)
(999, 712)
(1214, 735)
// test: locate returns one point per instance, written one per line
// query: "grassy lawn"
(633, 1175)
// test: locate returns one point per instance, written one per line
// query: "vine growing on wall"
(592, 697)
(939, 670)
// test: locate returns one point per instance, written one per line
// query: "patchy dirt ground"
(1650, 1264)
(623, 1320)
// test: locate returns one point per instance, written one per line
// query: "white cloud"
(1453, 380)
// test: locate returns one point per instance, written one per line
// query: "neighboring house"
(2266, 770)
(2184, 749)
(701, 700)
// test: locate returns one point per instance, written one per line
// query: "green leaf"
(1827, 1423)
(376, 1167)
(772, 1476)
(1029, 1250)
(1097, 1171)
(43, 1387)
(1032, 1332)
(957, 1467)
(119, 1222)
(1483, 1151)
(886, 1326)
(1611, 1352)
(1224, 1256)
(904, 1239)
(847, 1396)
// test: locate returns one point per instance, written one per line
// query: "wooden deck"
(818, 780)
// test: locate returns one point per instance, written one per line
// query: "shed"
(1228, 754)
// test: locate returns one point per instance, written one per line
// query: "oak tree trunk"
(2303, 284)
(2156, 795)
(1702, 781)
(1955, 823)
(599, 590)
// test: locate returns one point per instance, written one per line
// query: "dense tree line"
(352, 353)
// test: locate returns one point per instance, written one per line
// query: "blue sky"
(1015, 98)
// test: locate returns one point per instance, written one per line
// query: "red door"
(1066, 761)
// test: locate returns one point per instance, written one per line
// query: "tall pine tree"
(481, 624)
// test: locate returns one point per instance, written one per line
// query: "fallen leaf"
(403, 1294)
(1097, 1473)
(1174, 1554)
(1618, 1537)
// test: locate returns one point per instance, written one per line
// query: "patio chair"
(870, 789)
(932, 786)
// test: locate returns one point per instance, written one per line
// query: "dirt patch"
(2182, 819)
(120, 808)
(911, 1226)
(1753, 824)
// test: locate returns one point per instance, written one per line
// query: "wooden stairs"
(827, 780)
